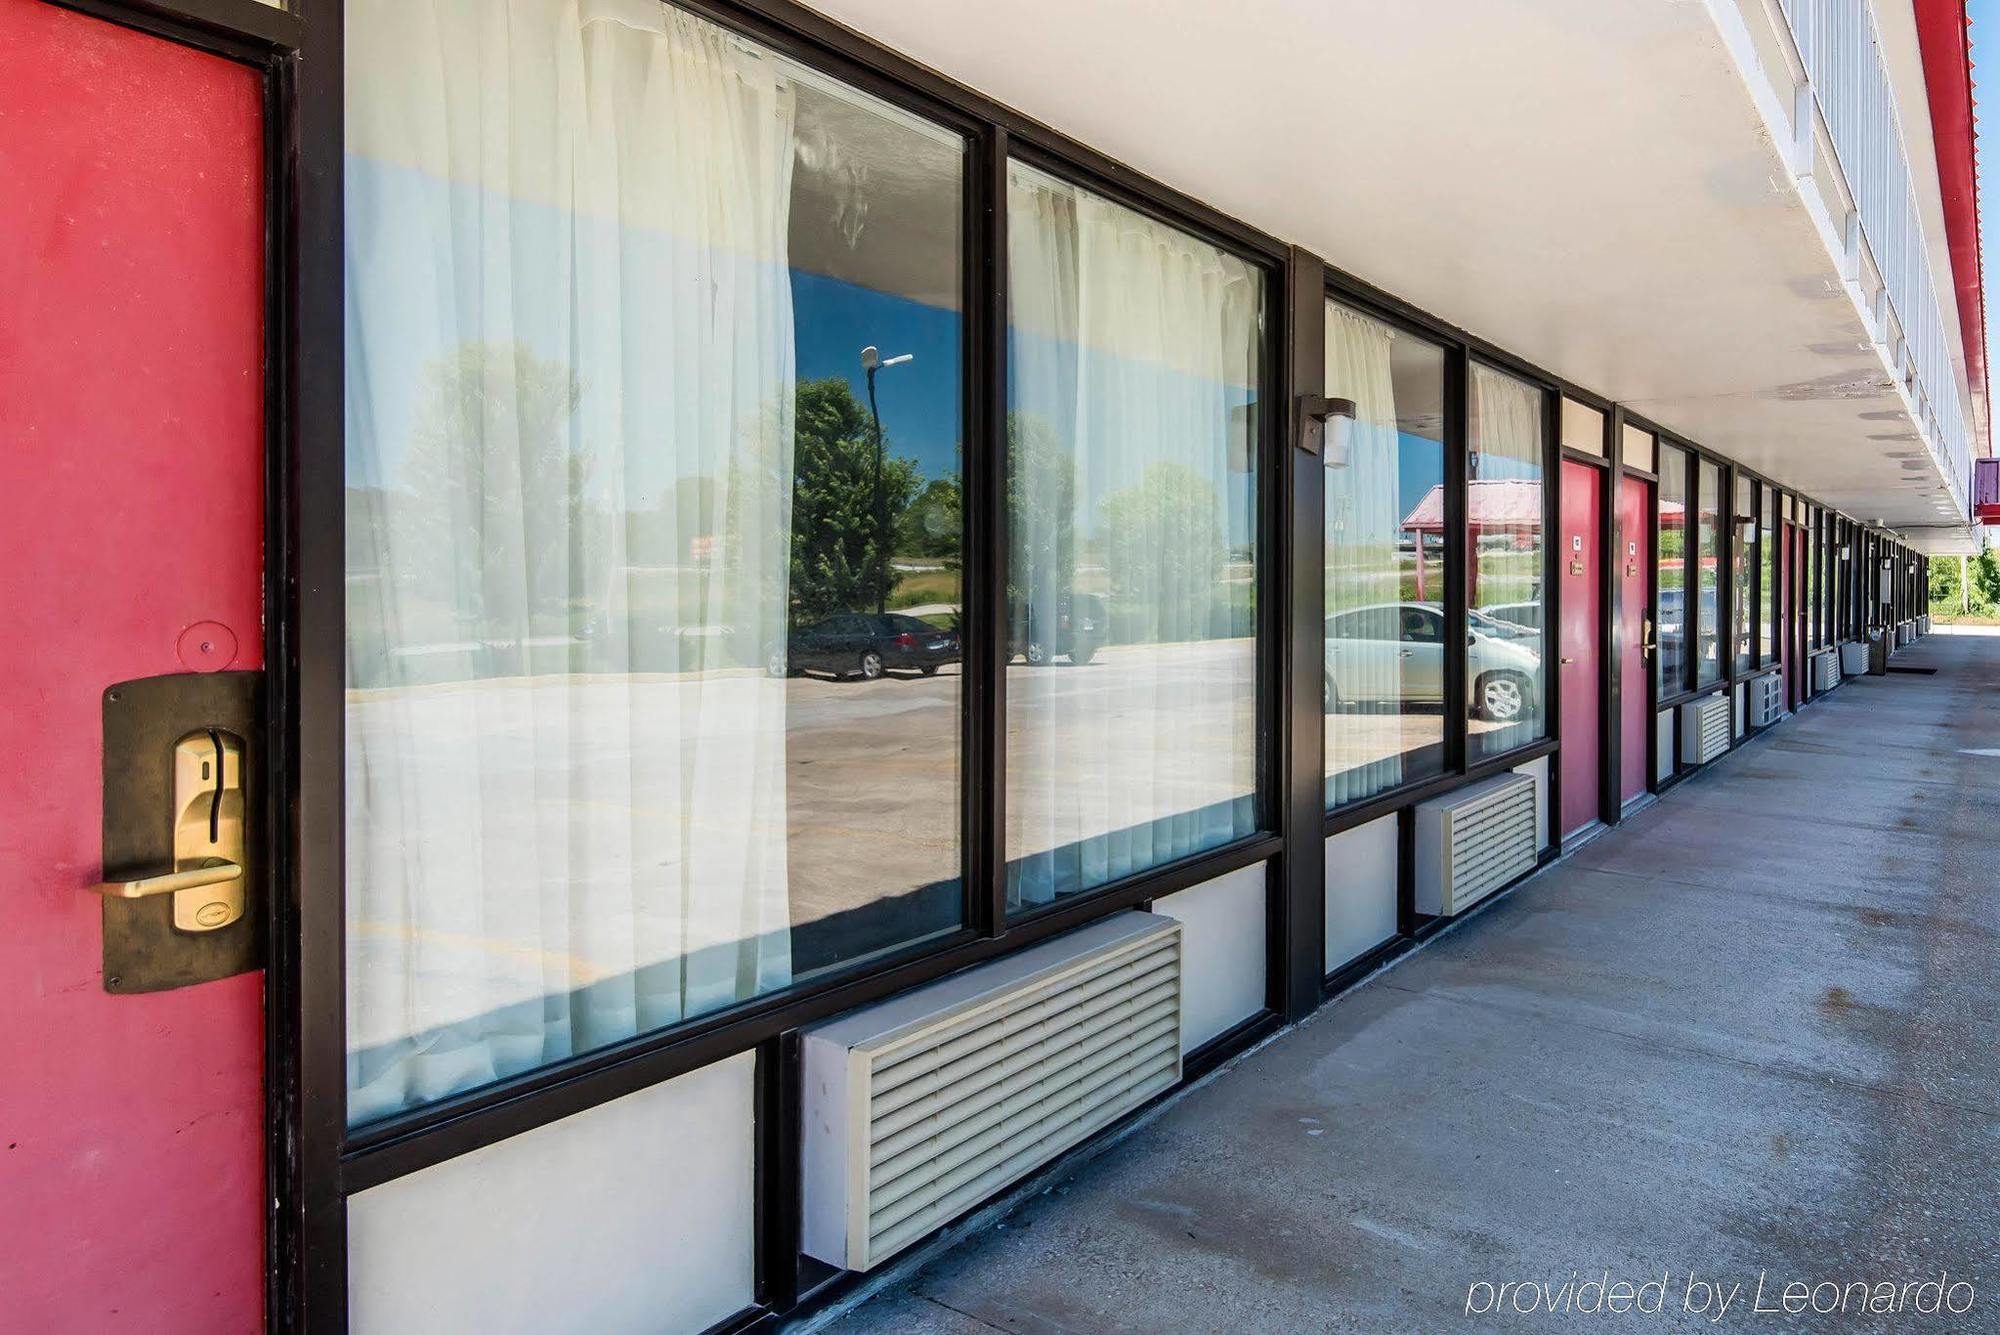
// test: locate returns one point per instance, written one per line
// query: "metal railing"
(1842, 54)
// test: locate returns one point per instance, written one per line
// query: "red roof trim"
(1942, 35)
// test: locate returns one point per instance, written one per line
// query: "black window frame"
(1461, 351)
(327, 1162)
(1068, 163)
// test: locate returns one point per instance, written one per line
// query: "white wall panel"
(634, 1216)
(1663, 746)
(1360, 890)
(1223, 952)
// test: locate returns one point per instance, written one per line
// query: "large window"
(1505, 514)
(1768, 593)
(1742, 564)
(1816, 572)
(1385, 555)
(1673, 629)
(1133, 356)
(653, 412)
(1708, 565)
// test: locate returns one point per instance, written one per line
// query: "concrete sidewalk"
(1751, 1031)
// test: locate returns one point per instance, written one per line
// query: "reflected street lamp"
(871, 362)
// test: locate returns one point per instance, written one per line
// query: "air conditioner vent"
(1854, 658)
(1826, 669)
(1767, 699)
(920, 1107)
(1704, 729)
(1473, 841)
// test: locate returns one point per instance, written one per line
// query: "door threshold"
(1577, 839)
(1637, 804)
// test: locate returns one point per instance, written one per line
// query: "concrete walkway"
(1751, 1031)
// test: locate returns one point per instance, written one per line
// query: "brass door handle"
(1569, 660)
(171, 882)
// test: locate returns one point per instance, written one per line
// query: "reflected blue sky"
(919, 400)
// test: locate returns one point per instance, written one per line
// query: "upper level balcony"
(1829, 67)
(1724, 214)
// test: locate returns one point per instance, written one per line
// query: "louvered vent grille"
(1767, 699)
(1704, 729)
(1473, 841)
(919, 1108)
(1826, 670)
(1853, 658)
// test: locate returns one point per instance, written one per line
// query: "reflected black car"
(867, 644)
(1073, 630)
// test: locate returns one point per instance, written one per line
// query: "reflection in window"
(1815, 579)
(1385, 554)
(1673, 569)
(1767, 576)
(1132, 404)
(1708, 558)
(652, 649)
(1744, 528)
(1504, 514)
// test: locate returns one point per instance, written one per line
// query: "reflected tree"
(1166, 549)
(1041, 521)
(499, 511)
(840, 558)
(932, 524)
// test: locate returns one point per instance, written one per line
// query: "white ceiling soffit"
(1586, 183)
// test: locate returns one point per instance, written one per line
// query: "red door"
(1581, 633)
(1797, 620)
(131, 500)
(1634, 573)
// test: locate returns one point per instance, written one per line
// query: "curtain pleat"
(1505, 435)
(1365, 754)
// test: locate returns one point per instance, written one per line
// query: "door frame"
(1613, 720)
(1605, 473)
(268, 40)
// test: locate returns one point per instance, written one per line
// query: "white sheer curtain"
(568, 303)
(1363, 523)
(1133, 398)
(1506, 444)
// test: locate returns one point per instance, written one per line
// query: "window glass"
(1385, 557)
(1133, 370)
(1743, 528)
(1768, 592)
(1708, 557)
(1673, 628)
(652, 650)
(1812, 575)
(1504, 514)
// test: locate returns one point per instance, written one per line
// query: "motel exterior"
(669, 644)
